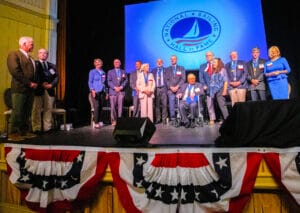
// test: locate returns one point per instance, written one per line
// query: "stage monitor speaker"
(133, 131)
(271, 123)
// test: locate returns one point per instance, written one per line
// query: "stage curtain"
(61, 49)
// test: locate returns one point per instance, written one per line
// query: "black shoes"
(187, 124)
(158, 122)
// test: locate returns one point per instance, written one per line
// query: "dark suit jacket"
(178, 79)
(203, 75)
(113, 81)
(22, 71)
(132, 79)
(50, 75)
(259, 75)
(165, 76)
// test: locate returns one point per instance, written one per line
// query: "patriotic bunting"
(158, 180)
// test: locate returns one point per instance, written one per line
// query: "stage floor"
(164, 136)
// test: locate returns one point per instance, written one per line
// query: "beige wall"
(35, 18)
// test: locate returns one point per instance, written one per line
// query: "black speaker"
(133, 131)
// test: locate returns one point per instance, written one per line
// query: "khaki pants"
(237, 95)
(41, 104)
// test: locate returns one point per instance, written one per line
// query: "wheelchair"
(199, 120)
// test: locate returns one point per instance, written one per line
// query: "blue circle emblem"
(191, 31)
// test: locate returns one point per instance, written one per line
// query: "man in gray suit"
(176, 77)
(117, 81)
(21, 67)
(135, 96)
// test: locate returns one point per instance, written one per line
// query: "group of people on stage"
(32, 91)
(158, 92)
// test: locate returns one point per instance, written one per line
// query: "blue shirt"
(96, 80)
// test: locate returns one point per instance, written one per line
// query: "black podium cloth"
(272, 123)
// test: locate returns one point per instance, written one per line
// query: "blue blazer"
(240, 74)
(112, 81)
(178, 79)
(203, 75)
(165, 76)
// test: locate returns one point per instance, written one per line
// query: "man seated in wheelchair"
(189, 103)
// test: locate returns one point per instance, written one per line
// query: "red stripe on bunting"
(172, 160)
(121, 186)
(273, 162)
(7, 150)
(237, 204)
(51, 155)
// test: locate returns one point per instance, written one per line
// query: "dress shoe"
(158, 121)
(49, 131)
(15, 137)
(187, 124)
(38, 132)
(97, 126)
(193, 125)
(165, 122)
(29, 135)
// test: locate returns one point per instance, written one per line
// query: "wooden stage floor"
(164, 136)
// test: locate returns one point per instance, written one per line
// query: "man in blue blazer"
(117, 81)
(176, 77)
(237, 74)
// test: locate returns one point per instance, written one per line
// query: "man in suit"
(46, 76)
(117, 81)
(176, 77)
(161, 96)
(256, 77)
(135, 92)
(189, 93)
(237, 73)
(205, 73)
(21, 67)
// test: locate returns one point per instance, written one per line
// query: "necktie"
(174, 70)
(44, 66)
(190, 90)
(254, 63)
(209, 70)
(118, 75)
(159, 77)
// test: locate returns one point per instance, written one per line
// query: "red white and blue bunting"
(148, 180)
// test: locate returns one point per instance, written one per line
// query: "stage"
(164, 136)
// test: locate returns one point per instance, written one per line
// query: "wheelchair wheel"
(177, 123)
(199, 122)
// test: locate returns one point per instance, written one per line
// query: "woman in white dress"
(146, 86)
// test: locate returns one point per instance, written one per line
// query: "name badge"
(240, 67)
(269, 64)
(178, 73)
(261, 66)
(52, 71)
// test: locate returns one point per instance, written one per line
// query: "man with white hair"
(21, 67)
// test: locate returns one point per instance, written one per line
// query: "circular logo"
(191, 31)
